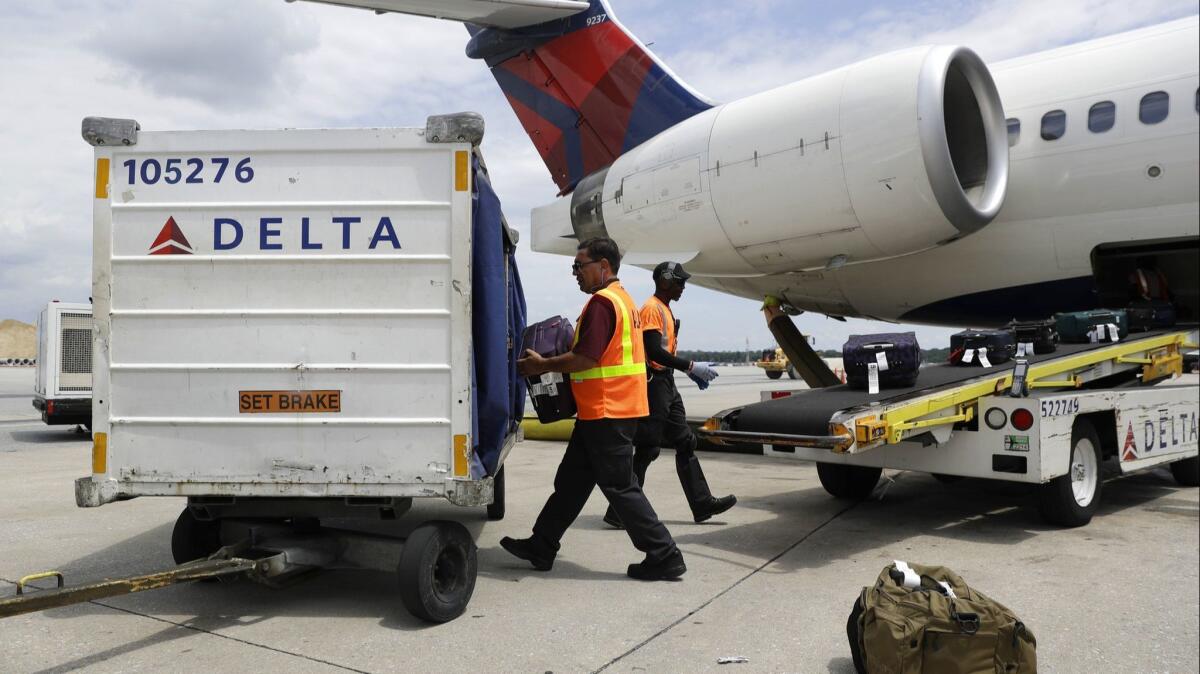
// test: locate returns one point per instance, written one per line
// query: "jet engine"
(886, 157)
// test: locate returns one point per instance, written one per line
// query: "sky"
(224, 64)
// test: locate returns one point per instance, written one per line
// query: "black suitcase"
(551, 391)
(1038, 337)
(982, 347)
(1152, 315)
(897, 355)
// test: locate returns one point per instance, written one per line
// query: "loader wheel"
(437, 571)
(194, 539)
(1187, 472)
(495, 511)
(774, 374)
(791, 371)
(1070, 500)
(849, 482)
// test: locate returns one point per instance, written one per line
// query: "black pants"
(600, 454)
(667, 427)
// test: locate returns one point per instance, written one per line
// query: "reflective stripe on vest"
(627, 366)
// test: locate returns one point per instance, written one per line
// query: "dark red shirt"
(596, 327)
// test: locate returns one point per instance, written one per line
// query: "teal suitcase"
(1081, 327)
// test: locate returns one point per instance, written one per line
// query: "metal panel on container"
(282, 312)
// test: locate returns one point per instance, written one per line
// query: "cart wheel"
(774, 374)
(851, 482)
(194, 539)
(1187, 472)
(437, 571)
(1070, 500)
(495, 511)
(792, 374)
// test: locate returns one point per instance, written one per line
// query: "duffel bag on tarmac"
(982, 347)
(1034, 337)
(1151, 315)
(1101, 325)
(895, 355)
(918, 619)
(550, 391)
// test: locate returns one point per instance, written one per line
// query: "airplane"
(919, 186)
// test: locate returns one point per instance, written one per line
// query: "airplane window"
(1014, 130)
(1054, 125)
(1154, 107)
(1101, 116)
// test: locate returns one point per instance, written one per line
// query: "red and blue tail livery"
(584, 88)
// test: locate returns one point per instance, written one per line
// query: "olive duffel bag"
(918, 618)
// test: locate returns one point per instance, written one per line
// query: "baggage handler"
(667, 424)
(608, 379)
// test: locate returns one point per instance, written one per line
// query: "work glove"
(702, 374)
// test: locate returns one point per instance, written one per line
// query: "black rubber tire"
(437, 571)
(194, 539)
(774, 374)
(1056, 498)
(1187, 472)
(495, 511)
(848, 482)
(791, 372)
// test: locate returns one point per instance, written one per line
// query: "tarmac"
(771, 581)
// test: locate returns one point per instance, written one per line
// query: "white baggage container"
(62, 390)
(283, 323)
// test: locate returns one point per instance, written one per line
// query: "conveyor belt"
(807, 412)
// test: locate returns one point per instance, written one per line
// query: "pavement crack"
(722, 593)
(210, 632)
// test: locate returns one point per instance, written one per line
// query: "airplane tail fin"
(585, 89)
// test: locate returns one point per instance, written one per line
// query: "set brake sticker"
(289, 402)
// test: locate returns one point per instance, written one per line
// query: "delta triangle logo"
(171, 240)
(1129, 452)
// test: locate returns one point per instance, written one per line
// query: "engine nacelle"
(886, 157)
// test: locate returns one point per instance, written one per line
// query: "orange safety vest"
(657, 316)
(616, 387)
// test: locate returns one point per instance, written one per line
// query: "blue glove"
(699, 382)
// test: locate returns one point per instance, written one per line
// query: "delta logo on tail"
(171, 241)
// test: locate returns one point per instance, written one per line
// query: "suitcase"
(897, 355)
(982, 347)
(1081, 327)
(1035, 337)
(1152, 315)
(550, 391)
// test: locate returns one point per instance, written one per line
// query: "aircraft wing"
(498, 13)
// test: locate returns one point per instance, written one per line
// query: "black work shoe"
(611, 519)
(529, 550)
(668, 569)
(714, 507)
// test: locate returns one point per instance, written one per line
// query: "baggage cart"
(297, 325)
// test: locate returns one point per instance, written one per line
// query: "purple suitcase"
(899, 350)
(550, 392)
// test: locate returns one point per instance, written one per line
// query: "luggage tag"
(551, 377)
(1024, 349)
(872, 378)
(1114, 335)
(983, 359)
(881, 360)
(1094, 334)
(968, 356)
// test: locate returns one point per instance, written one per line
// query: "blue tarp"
(498, 319)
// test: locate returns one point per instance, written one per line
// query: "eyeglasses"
(578, 266)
